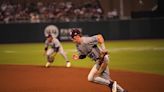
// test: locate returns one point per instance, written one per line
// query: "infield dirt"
(27, 78)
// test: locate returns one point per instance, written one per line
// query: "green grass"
(138, 55)
(131, 55)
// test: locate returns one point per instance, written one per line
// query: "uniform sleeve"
(101, 45)
(91, 40)
(46, 45)
(57, 42)
(79, 51)
(81, 54)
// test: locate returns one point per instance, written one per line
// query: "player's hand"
(100, 38)
(75, 57)
(97, 74)
(103, 53)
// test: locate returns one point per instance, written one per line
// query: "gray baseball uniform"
(88, 47)
(55, 47)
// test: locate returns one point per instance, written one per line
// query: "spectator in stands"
(36, 12)
(112, 14)
(34, 18)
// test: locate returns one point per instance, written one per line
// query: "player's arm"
(101, 69)
(100, 40)
(80, 55)
(76, 57)
(45, 48)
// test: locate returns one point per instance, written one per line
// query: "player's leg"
(91, 73)
(119, 88)
(104, 79)
(101, 79)
(98, 79)
(112, 84)
(61, 51)
(116, 87)
(106, 75)
(50, 57)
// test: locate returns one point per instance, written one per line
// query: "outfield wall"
(111, 30)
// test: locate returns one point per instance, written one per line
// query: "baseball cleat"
(47, 64)
(68, 64)
(114, 86)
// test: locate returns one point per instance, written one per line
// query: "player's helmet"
(75, 32)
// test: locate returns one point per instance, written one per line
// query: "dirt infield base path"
(22, 78)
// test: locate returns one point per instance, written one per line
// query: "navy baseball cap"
(75, 32)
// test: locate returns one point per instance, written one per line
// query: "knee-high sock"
(101, 80)
(119, 88)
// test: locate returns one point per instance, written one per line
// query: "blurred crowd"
(37, 12)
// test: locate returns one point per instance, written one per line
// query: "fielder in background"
(55, 46)
(94, 48)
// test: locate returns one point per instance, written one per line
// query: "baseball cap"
(75, 32)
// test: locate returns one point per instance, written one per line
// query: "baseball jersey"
(89, 47)
(55, 44)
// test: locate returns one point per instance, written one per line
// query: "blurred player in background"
(55, 46)
(88, 46)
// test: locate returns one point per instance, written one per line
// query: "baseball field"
(137, 65)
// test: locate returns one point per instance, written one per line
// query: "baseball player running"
(88, 46)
